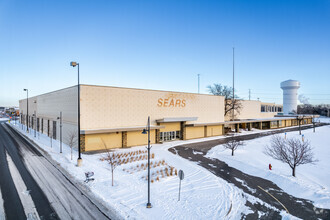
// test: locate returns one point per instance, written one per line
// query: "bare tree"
(233, 143)
(230, 103)
(72, 139)
(111, 160)
(313, 109)
(292, 151)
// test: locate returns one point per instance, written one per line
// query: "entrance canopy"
(112, 130)
(179, 119)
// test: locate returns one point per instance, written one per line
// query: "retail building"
(113, 117)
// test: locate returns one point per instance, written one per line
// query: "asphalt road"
(298, 207)
(48, 192)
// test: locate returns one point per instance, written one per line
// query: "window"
(263, 109)
(178, 135)
(161, 136)
(273, 123)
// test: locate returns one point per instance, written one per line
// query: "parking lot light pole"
(79, 161)
(27, 110)
(149, 147)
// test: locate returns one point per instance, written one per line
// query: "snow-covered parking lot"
(203, 195)
(312, 181)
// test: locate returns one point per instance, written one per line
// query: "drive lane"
(12, 205)
(66, 199)
(41, 202)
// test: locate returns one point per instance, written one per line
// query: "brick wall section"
(82, 143)
(157, 136)
(124, 139)
(183, 130)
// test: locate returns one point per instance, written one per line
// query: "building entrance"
(169, 136)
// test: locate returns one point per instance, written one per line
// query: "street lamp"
(27, 110)
(145, 131)
(79, 161)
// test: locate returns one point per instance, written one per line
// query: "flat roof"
(155, 90)
(117, 87)
(204, 124)
(262, 120)
(243, 121)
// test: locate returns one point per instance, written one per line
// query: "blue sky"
(164, 45)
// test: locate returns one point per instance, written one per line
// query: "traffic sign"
(181, 175)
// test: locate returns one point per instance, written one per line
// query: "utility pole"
(249, 94)
(233, 84)
(198, 81)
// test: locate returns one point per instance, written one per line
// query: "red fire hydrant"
(270, 167)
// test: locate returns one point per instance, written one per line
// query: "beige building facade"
(252, 109)
(113, 117)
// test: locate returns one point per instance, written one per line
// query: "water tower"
(290, 93)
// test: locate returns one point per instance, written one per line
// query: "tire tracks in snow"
(230, 174)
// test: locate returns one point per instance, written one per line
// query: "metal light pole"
(198, 81)
(79, 161)
(233, 84)
(27, 110)
(149, 147)
(60, 131)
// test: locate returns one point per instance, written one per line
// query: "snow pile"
(312, 181)
(202, 193)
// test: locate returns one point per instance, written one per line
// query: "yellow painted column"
(236, 128)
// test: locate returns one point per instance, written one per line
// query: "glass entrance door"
(169, 135)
